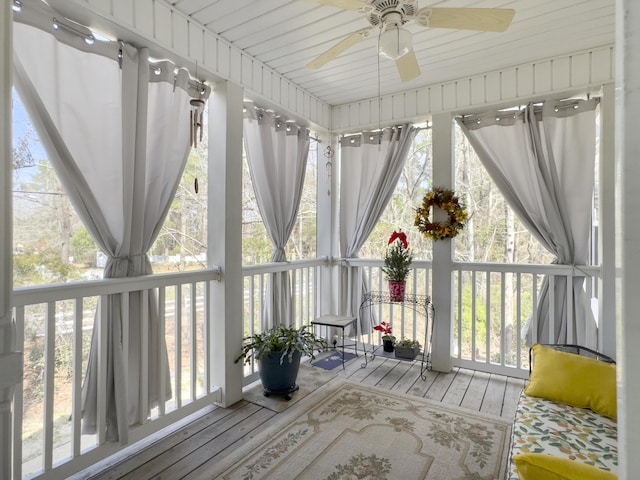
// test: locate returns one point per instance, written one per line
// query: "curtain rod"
(376, 131)
(568, 103)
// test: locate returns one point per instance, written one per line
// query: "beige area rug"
(309, 379)
(352, 431)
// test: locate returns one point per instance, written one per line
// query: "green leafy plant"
(397, 260)
(407, 342)
(281, 338)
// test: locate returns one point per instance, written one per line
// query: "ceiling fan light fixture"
(395, 42)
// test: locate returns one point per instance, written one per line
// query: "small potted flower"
(397, 263)
(407, 348)
(387, 338)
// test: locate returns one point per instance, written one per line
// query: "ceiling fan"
(395, 41)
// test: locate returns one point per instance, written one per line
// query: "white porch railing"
(306, 281)
(54, 326)
(491, 304)
(406, 322)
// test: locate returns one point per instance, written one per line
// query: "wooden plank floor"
(189, 450)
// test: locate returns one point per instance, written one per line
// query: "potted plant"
(278, 351)
(407, 348)
(387, 338)
(397, 262)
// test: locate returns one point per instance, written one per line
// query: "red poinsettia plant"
(397, 260)
(385, 328)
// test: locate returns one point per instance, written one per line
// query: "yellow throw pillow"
(539, 466)
(573, 379)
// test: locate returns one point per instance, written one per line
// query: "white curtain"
(118, 136)
(542, 160)
(370, 166)
(277, 153)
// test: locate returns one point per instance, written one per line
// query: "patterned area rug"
(352, 431)
(309, 379)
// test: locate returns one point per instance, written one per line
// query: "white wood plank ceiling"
(287, 34)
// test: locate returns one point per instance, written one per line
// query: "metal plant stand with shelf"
(416, 302)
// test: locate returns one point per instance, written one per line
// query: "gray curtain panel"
(543, 159)
(277, 153)
(119, 139)
(370, 166)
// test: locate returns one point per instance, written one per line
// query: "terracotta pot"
(396, 291)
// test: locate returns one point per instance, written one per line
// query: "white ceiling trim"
(169, 32)
(580, 72)
(178, 35)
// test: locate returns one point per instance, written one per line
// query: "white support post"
(326, 245)
(8, 358)
(335, 269)
(225, 237)
(442, 274)
(607, 224)
(627, 148)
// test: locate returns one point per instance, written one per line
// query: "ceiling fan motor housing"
(377, 10)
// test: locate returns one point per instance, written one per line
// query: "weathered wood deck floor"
(186, 453)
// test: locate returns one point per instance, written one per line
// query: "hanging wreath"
(447, 201)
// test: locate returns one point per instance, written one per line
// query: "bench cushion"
(544, 426)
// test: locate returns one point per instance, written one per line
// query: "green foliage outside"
(467, 319)
(414, 182)
(496, 314)
(257, 247)
(83, 247)
(35, 267)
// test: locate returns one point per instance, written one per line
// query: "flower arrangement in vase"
(397, 263)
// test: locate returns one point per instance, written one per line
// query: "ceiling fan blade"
(482, 19)
(339, 48)
(343, 4)
(408, 66)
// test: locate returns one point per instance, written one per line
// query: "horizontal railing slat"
(23, 296)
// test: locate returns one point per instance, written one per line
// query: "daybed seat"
(565, 425)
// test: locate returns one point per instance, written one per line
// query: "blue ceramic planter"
(277, 378)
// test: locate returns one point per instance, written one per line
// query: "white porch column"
(442, 280)
(627, 143)
(225, 237)
(10, 361)
(327, 224)
(607, 225)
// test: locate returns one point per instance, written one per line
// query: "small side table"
(342, 322)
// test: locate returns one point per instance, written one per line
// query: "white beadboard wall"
(579, 72)
(157, 22)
